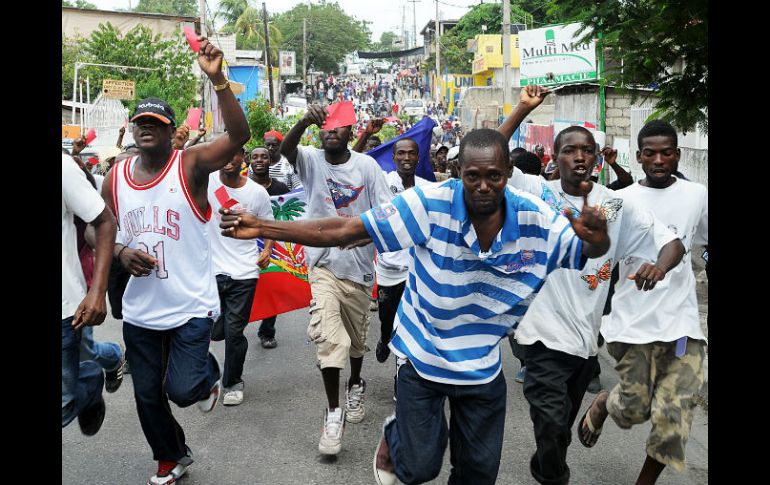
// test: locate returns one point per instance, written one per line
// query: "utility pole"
(304, 56)
(202, 7)
(438, 61)
(414, 21)
(205, 101)
(403, 27)
(506, 57)
(267, 57)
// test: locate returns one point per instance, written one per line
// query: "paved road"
(272, 438)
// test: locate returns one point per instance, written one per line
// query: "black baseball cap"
(156, 108)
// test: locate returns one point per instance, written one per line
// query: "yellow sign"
(479, 65)
(70, 131)
(115, 89)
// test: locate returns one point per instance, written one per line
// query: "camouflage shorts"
(656, 385)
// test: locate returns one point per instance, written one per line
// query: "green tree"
(79, 4)
(386, 42)
(653, 43)
(262, 119)
(187, 8)
(485, 18)
(173, 80)
(245, 20)
(331, 34)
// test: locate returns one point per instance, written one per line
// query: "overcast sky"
(384, 15)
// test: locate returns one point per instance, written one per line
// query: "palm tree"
(246, 22)
(229, 11)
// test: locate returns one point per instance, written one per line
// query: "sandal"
(595, 432)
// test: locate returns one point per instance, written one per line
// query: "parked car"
(353, 70)
(381, 66)
(294, 104)
(414, 107)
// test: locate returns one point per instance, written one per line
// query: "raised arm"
(201, 160)
(315, 115)
(530, 98)
(121, 132)
(321, 233)
(372, 126)
(610, 156)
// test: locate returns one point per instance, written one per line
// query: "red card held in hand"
(340, 114)
(192, 38)
(90, 136)
(194, 119)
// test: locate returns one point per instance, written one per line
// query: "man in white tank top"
(160, 200)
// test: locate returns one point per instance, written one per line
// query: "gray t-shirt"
(345, 190)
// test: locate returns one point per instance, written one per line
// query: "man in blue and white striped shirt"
(481, 251)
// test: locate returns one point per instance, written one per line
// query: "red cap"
(275, 134)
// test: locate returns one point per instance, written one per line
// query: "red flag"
(283, 285)
(340, 114)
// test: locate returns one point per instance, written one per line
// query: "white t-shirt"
(670, 310)
(567, 313)
(236, 258)
(78, 198)
(344, 190)
(393, 267)
(99, 181)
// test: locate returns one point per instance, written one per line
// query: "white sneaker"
(354, 403)
(233, 397)
(208, 403)
(331, 436)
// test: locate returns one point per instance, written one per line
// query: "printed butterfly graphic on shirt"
(610, 209)
(603, 274)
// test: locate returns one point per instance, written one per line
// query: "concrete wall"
(582, 105)
(618, 114)
(489, 100)
(75, 21)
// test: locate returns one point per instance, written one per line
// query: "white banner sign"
(552, 55)
(287, 62)
(624, 152)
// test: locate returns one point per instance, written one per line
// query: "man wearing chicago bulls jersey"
(558, 334)
(338, 182)
(160, 200)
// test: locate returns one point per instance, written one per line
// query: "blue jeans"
(417, 438)
(81, 382)
(106, 354)
(169, 365)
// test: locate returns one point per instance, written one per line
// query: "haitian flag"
(422, 133)
(283, 285)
